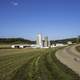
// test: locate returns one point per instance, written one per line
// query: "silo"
(46, 41)
(39, 41)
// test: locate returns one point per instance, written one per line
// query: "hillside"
(64, 41)
(15, 41)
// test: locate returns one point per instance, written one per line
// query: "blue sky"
(56, 19)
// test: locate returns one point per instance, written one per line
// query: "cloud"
(15, 3)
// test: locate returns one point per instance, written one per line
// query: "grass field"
(33, 64)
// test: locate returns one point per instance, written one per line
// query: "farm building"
(20, 46)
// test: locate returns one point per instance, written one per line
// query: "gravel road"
(70, 57)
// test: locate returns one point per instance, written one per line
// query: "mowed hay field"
(33, 64)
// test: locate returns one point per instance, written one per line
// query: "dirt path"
(68, 57)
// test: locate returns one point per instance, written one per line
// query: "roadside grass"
(65, 69)
(33, 64)
(5, 46)
(78, 48)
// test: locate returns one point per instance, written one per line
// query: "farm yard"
(33, 64)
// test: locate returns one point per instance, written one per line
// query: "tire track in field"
(31, 70)
(22, 72)
(50, 66)
(44, 72)
(40, 67)
(28, 71)
(8, 71)
(53, 69)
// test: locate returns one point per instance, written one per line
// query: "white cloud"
(15, 3)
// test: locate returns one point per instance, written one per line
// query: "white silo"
(39, 40)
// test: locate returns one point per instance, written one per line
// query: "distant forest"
(26, 41)
(15, 41)
(64, 41)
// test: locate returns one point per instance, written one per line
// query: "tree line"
(26, 41)
(64, 41)
(15, 41)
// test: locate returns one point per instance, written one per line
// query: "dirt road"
(70, 57)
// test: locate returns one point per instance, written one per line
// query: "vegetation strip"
(78, 48)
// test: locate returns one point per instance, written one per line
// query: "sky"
(56, 19)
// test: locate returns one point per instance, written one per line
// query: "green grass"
(5, 46)
(33, 64)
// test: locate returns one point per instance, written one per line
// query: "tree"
(78, 39)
